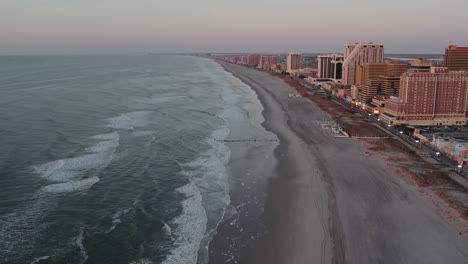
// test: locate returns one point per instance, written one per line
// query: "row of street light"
(459, 167)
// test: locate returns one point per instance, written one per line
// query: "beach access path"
(329, 203)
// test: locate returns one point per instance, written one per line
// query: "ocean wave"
(143, 133)
(108, 136)
(167, 229)
(78, 241)
(207, 193)
(142, 261)
(158, 100)
(130, 120)
(116, 218)
(40, 259)
(71, 186)
(18, 229)
(190, 227)
(68, 169)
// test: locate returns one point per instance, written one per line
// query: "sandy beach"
(329, 203)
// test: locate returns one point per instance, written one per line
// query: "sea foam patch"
(69, 172)
(71, 186)
(207, 198)
(130, 120)
(190, 227)
(210, 182)
(78, 241)
(142, 261)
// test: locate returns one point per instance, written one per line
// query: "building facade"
(330, 66)
(293, 63)
(428, 99)
(379, 79)
(244, 60)
(267, 61)
(253, 59)
(421, 65)
(358, 54)
(456, 58)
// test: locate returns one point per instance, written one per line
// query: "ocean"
(121, 159)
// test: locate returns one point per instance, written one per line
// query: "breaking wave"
(70, 173)
(207, 193)
(129, 121)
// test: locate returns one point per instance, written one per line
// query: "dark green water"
(114, 159)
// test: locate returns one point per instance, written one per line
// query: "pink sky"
(114, 26)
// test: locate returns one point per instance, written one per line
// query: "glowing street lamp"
(378, 119)
(437, 153)
(417, 141)
(401, 132)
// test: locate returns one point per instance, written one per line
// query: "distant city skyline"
(140, 26)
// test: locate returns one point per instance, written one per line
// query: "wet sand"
(328, 203)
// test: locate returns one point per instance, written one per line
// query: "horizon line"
(187, 53)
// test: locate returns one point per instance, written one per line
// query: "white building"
(358, 54)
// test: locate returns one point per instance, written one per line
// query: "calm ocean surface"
(115, 159)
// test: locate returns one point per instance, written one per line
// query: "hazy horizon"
(37, 27)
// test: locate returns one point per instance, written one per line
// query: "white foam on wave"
(143, 133)
(71, 186)
(142, 261)
(79, 243)
(69, 172)
(209, 177)
(130, 120)
(190, 227)
(116, 218)
(208, 197)
(19, 228)
(40, 259)
(167, 229)
(108, 136)
(161, 100)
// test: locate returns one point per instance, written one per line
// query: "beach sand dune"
(332, 204)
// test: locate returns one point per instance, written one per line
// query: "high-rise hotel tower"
(456, 58)
(357, 54)
(429, 99)
(330, 66)
(293, 63)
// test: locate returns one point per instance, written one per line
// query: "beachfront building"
(244, 60)
(379, 79)
(428, 99)
(330, 66)
(357, 54)
(293, 63)
(253, 59)
(437, 69)
(456, 58)
(421, 65)
(283, 67)
(266, 62)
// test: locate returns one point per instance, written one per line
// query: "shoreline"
(299, 243)
(329, 203)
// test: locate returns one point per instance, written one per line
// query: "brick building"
(429, 99)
